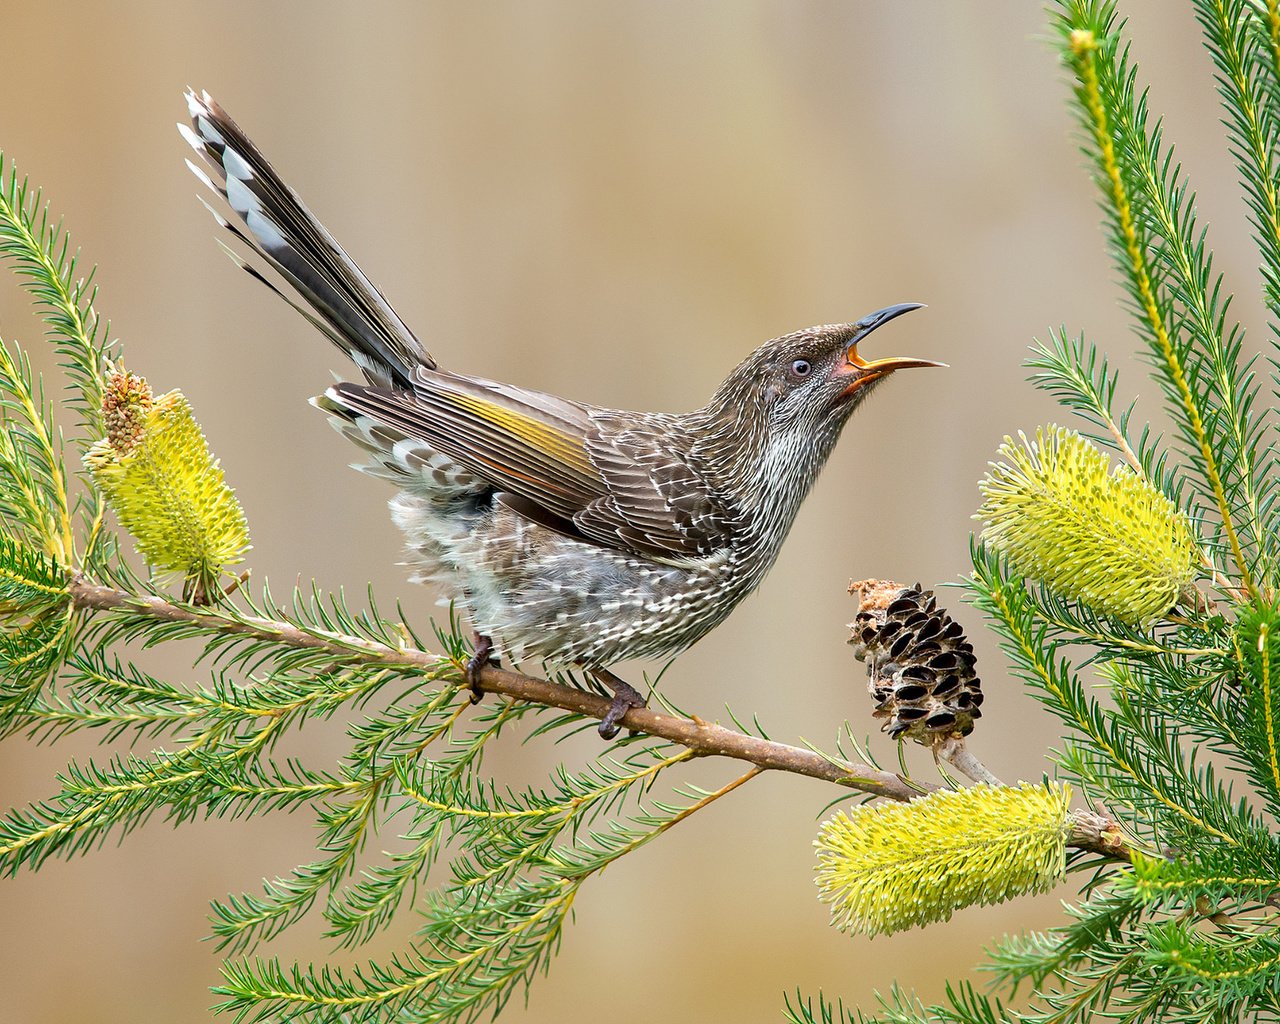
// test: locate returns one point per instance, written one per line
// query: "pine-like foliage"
(1140, 605)
(1170, 713)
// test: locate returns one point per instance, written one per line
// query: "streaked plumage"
(571, 533)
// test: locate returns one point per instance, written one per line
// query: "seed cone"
(921, 671)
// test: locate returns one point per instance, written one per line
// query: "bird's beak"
(861, 372)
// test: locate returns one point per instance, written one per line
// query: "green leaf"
(1255, 709)
(29, 579)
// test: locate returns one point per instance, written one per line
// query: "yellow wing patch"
(538, 435)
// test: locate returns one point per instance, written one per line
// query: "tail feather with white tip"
(272, 221)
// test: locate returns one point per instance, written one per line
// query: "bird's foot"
(625, 697)
(475, 665)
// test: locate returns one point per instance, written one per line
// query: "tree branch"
(701, 737)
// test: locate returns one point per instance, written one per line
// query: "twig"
(955, 753)
(701, 737)
(236, 584)
(692, 809)
(1097, 833)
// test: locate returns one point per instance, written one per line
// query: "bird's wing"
(600, 477)
(520, 442)
(657, 500)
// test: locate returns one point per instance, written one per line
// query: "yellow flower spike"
(168, 490)
(1108, 540)
(887, 867)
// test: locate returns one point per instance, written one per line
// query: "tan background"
(615, 201)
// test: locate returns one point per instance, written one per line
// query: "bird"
(571, 533)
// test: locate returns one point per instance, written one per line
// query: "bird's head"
(805, 385)
(776, 418)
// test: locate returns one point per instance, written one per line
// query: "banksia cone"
(1110, 541)
(920, 668)
(886, 867)
(156, 470)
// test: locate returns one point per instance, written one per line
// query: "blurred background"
(614, 201)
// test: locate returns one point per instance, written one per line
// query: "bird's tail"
(273, 222)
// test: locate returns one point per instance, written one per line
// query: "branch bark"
(705, 739)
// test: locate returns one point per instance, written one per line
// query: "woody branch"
(701, 737)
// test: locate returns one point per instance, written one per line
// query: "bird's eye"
(801, 368)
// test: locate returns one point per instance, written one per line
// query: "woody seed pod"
(921, 670)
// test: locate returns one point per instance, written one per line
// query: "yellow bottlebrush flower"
(156, 470)
(886, 867)
(1106, 539)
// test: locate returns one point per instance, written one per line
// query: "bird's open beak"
(861, 372)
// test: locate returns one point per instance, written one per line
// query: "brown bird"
(570, 533)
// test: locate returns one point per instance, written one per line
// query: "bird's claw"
(625, 697)
(611, 725)
(475, 665)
